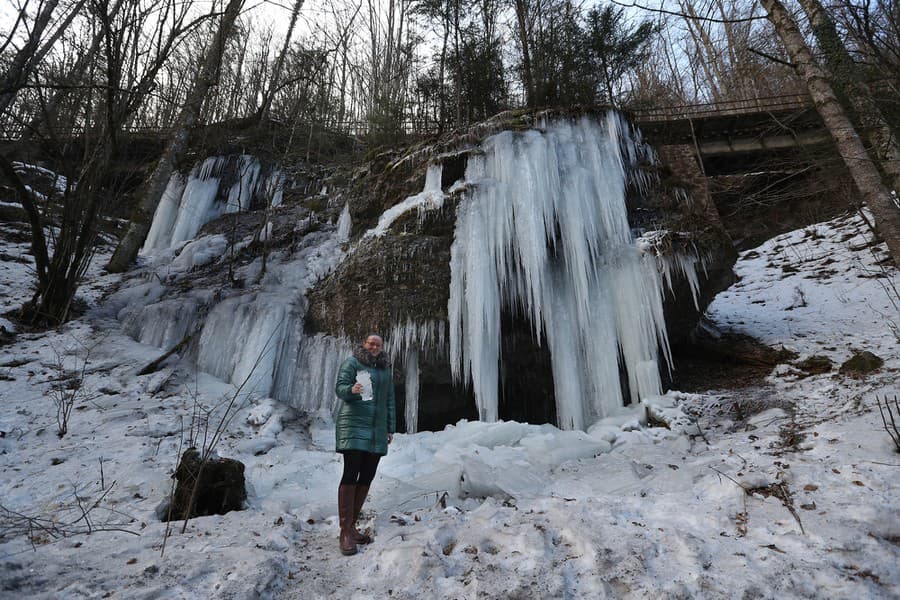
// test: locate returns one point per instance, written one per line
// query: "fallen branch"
(891, 427)
(153, 367)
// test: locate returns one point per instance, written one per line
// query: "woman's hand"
(357, 388)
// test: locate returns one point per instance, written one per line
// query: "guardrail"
(641, 115)
(724, 108)
(10, 133)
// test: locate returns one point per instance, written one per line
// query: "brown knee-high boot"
(360, 499)
(346, 504)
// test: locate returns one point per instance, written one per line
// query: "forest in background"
(406, 65)
(97, 70)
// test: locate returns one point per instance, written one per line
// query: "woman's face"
(373, 345)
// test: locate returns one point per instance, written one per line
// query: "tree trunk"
(23, 62)
(128, 248)
(442, 97)
(844, 72)
(279, 64)
(527, 73)
(859, 163)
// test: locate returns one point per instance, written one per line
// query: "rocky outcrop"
(404, 274)
(213, 486)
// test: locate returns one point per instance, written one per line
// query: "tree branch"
(686, 16)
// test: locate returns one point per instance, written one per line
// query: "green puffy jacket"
(364, 425)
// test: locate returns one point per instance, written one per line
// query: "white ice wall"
(588, 291)
(542, 226)
(191, 201)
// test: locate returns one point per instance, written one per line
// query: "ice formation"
(407, 340)
(190, 202)
(431, 198)
(541, 231)
(344, 224)
(668, 263)
(544, 231)
(412, 390)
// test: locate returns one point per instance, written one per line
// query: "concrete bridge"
(737, 129)
(766, 165)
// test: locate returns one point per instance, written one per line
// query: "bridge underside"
(732, 142)
(766, 172)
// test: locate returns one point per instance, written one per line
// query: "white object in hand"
(364, 379)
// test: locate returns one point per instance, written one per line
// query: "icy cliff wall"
(510, 281)
(531, 232)
(213, 187)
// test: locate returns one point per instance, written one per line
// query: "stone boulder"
(211, 487)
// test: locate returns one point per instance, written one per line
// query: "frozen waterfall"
(541, 232)
(191, 201)
(544, 231)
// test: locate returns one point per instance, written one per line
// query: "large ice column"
(344, 224)
(412, 390)
(160, 233)
(544, 230)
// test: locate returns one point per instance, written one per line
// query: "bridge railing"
(724, 108)
(13, 132)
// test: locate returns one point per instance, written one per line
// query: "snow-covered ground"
(787, 490)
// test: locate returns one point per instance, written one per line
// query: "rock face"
(216, 486)
(404, 276)
(386, 280)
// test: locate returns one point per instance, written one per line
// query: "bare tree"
(846, 74)
(274, 82)
(127, 249)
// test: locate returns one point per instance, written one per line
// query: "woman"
(365, 426)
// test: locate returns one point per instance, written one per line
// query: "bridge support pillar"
(687, 168)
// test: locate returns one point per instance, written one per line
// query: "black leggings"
(359, 467)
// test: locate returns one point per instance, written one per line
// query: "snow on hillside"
(787, 490)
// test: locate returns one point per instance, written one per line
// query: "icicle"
(344, 224)
(651, 244)
(412, 389)
(188, 204)
(430, 198)
(545, 228)
(428, 337)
